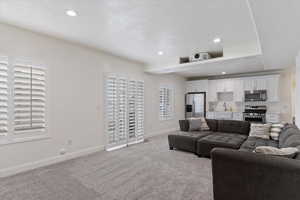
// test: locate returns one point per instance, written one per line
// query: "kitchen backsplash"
(272, 107)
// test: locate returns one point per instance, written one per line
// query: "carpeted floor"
(148, 171)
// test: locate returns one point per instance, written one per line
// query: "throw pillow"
(195, 124)
(274, 135)
(260, 130)
(275, 131)
(289, 152)
(204, 126)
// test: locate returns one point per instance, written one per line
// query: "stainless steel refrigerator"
(195, 105)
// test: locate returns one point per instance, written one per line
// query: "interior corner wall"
(286, 106)
(297, 104)
(76, 88)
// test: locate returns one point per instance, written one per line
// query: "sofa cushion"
(184, 125)
(219, 139)
(289, 137)
(186, 140)
(213, 124)
(233, 126)
(252, 142)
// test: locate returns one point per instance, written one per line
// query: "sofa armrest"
(241, 175)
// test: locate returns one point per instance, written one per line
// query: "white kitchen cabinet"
(225, 85)
(229, 85)
(237, 116)
(272, 88)
(238, 90)
(212, 90)
(210, 115)
(197, 86)
(273, 117)
(255, 83)
(260, 83)
(248, 84)
(223, 115)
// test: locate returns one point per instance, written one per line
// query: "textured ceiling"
(138, 29)
(279, 31)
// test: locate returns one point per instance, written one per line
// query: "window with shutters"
(124, 111)
(166, 103)
(29, 98)
(140, 110)
(22, 102)
(3, 98)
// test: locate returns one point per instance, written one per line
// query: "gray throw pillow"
(260, 130)
(195, 124)
(198, 124)
(289, 152)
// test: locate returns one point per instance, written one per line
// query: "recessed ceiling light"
(160, 53)
(71, 13)
(223, 73)
(217, 40)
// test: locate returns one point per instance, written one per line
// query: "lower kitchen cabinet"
(210, 115)
(237, 116)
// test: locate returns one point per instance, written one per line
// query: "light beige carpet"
(148, 171)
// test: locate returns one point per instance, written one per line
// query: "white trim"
(116, 147)
(48, 161)
(7, 141)
(136, 142)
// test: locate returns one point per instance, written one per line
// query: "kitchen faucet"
(225, 107)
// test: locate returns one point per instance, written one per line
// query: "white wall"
(76, 97)
(297, 104)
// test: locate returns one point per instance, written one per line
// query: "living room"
(138, 99)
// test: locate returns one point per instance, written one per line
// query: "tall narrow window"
(166, 103)
(29, 98)
(111, 109)
(3, 98)
(131, 109)
(140, 110)
(124, 111)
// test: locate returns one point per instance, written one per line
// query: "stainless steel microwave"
(256, 95)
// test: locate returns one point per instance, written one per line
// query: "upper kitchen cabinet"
(197, 86)
(269, 83)
(238, 86)
(272, 88)
(255, 83)
(212, 90)
(225, 85)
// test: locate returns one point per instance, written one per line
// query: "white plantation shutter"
(140, 110)
(124, 111)
(29, 98)
(166, 103)
(3, 98)
(111, 109)
(131, 110)
(116, 111)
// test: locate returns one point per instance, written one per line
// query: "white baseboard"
(48, 161)
(60, 158)
(160, 132)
